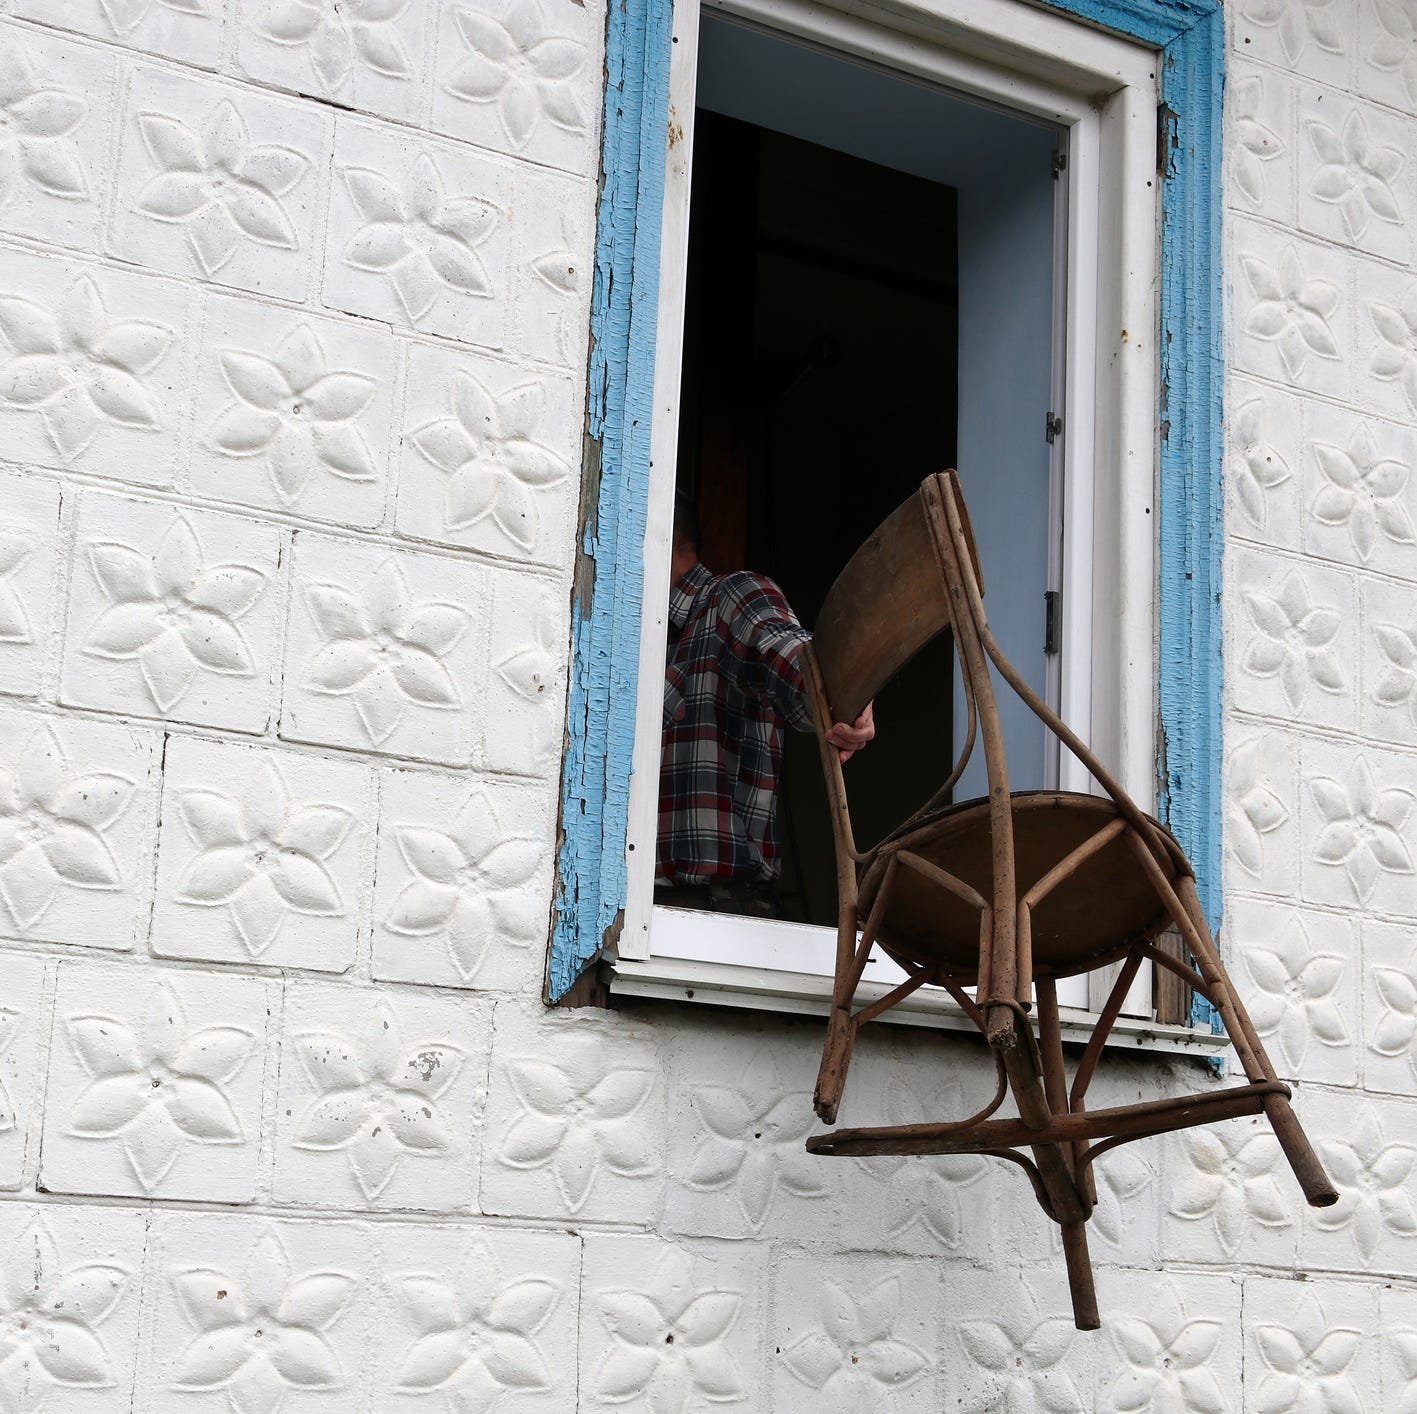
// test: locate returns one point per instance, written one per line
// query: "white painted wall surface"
(292, 396)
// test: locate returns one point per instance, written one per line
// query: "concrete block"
(385, 651)
(218, 183)
(155, 1084)
(293, 413)
(78, 812)
(463, 893)
(173, 613)
(262, 856)
(381, 1093)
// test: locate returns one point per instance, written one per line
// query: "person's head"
(684, 554)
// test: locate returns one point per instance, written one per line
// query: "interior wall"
(1001, 167)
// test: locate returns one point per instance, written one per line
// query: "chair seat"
(1085, 922)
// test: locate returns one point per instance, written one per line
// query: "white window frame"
(1104, 93)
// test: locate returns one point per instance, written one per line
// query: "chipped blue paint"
(595, 780)
(1190, 34)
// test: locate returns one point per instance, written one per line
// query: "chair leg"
(1317, 1187)
(1319, 1191)
(1080, 1282)
(836, 1059)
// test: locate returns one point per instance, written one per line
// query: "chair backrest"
(885, 606)
(917, 574)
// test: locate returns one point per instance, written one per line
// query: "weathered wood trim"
(605, 612)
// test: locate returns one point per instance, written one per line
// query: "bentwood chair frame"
(916, 576)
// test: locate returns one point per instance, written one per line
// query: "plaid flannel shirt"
(730, 681)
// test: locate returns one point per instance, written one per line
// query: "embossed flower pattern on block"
(522, 67)
(261, 1329)
(1307, 1362)
(578, 1118)
(1291, 310)
(126, 15)
(1397, 687)
(1258, 467)
(1166, 1354)
(384, 650)
(16, 546)
(852, 1356)
(1394, 48)
(1257, 143)
(48, 1315)
(378, 1096)
(262, 857)
(1397, 989)
(1395, 360)
(1373, 1178)
(476, 1333)
(1296, 1001)
(752, 1146)
(1300, 23)
(1122, 1176)
(217, 185)
(1021, 1353)
(532, 673)
(37, 120)
(559, 270)
(295, 413)
(1293, 641)
(489, 450)
(424, 240)
(1402, 1342)
(53, 823)
(1254, 810)
(669, 1341)
(1362, 492)
(340, 36)
(1355, 174)
(1363, 827)
(924, 1192)
(79, 369)
(468, 886)
(156, 1086)
(1230, 1184)
(171, 612)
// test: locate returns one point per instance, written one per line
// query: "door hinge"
(1166, 138)
(1052, 617)
(1052, 427)
(1060, 164)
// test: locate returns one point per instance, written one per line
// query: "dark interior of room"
(819, 387)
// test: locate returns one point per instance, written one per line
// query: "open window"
(885, 254)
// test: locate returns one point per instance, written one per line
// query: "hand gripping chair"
(1006, 895)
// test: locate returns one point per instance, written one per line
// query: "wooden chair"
(1006, 895)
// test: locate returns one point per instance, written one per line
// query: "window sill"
(781, 988)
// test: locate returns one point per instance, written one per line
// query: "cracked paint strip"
(595, 790)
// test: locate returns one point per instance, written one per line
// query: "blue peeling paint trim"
(605, 615)
(1192, 39)
(1190, 33)
(1192, 486)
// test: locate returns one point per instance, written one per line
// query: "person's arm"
(762, 640)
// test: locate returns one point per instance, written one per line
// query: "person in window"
(731, 680)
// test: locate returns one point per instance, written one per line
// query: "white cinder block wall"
(293, 311)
